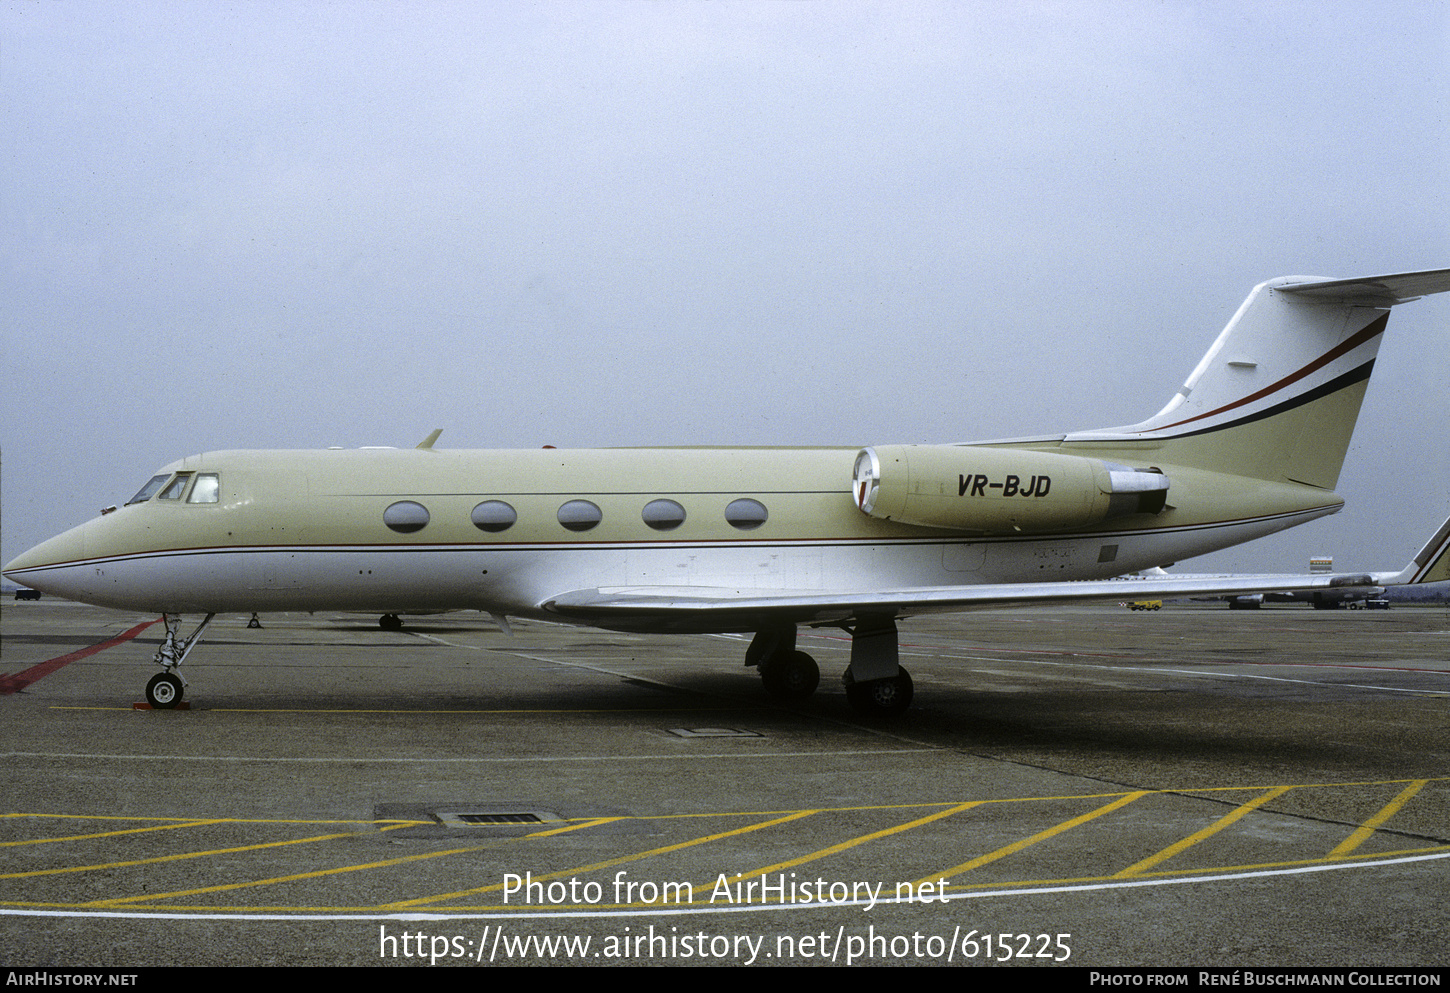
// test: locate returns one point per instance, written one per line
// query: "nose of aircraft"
(52, 566)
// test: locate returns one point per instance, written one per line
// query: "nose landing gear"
(165, 689)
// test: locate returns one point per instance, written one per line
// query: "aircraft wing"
(696, 608)
(702, 608)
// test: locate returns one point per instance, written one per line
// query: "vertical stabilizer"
(1430, 565)
(1277, 396)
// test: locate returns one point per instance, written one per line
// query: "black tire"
(164, 691)
(881, 697)
(793, 676)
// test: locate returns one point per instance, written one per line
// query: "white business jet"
(764, 540)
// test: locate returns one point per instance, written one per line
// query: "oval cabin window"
(405, 517)
(580, 515)
(746, 514)
(494, 516)
(663, 515)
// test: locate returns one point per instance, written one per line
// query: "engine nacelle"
(999, 490)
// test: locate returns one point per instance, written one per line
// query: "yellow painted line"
(95, 817)
(294, 877)
(851, 843)
(1018, 846)
(1206, 873)
(778, 813)
(1258, 866)
(158, 860)
(595, 822)
(712, 814)
(1181, 846)
(1186, 791)
(1368, 827)
(224, 820)
(112, 834)
(1342, 852)
(608, 863)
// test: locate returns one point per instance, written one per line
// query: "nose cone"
(53, 566)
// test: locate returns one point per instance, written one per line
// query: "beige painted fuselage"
(306, 530)
(763, 540)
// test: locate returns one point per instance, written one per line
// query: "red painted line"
(18, 682)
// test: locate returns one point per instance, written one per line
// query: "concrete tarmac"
(1088, 786)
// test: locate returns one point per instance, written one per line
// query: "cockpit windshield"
(149, 490)
(175, 488)
(206, 490)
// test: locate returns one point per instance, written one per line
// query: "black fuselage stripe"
(1350, 378)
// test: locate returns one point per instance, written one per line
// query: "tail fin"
(1430, 565)
(1277, 395)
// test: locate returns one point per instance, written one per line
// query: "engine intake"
(1000, 490)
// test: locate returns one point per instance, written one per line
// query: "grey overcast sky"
(295, 225)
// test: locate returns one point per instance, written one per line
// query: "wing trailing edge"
(694, 607)
(704, 608)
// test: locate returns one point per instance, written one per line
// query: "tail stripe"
(1432, 562)
(1333, 386)
(1373, 329)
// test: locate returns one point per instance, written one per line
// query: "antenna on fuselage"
(427, 443)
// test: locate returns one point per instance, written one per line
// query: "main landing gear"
(876, 685)
(788, 675)
(165, 689)
(880, 697)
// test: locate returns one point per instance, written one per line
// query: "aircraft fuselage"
(406, 530)
(764, 540)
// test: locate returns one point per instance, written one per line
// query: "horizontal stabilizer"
(1372, 291)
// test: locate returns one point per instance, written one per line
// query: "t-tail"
(1277, 396)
